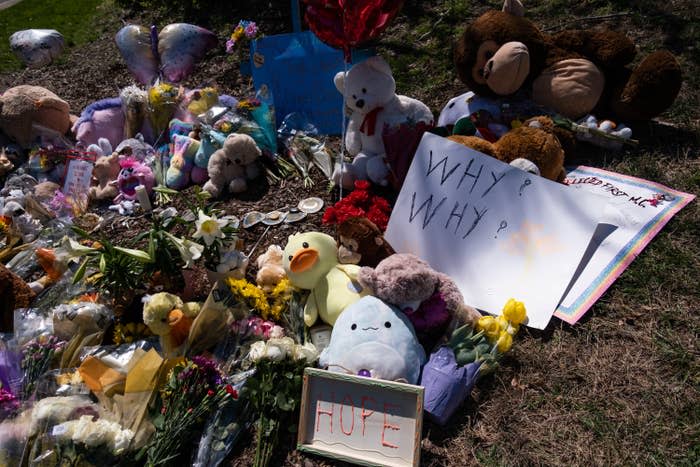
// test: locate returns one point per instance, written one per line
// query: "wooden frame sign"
(360, 420)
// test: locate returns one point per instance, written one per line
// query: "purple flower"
(251, 30)
(230, 45)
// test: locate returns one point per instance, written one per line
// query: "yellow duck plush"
(311, 262)
(168, 317)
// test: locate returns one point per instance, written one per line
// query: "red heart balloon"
(345, 24)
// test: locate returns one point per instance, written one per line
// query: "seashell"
(310, 205)
(274, 218)
(233, 221)
(294, 215)
(252, 218)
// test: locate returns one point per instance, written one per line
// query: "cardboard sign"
(636, 211)
(497, 231)
(78, 176)
(298, 68)
(360, 420)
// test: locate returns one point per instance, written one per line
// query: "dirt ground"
(620, 387)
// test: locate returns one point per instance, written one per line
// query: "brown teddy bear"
(15, 294)
(573, 72)
(23, 106)
(104, 175)
(430, 299)
(270, 268)
(233, 165)
(361, 242)
(532, 147)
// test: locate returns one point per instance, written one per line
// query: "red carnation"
(359, 203)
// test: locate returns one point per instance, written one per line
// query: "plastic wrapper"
(10, 369)
(223, 430)
(211, 324)
(304, 146)
(117, 356)
(81, 317)
(66, 382)
(14, 434)
(400, 143)
(31, 323)
(254, 117)
(54, 410)
(446, 385)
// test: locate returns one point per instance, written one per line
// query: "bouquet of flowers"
(274, 390)
(244, 31)
(194, 389)
(37, 355)
(452, 370)
(269, 305)
(9, 404)
(359, 203)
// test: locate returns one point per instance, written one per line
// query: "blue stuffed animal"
(371, 338)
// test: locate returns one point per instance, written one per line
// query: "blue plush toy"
(371, 338)
(181, 163)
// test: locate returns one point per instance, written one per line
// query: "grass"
(72, 18)
(621, 387)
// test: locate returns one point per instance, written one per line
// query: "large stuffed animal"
(375, 340)
(311, 262)
(573, 72)
(370, 92)
(24, 107)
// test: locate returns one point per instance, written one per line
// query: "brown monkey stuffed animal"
(361, 242)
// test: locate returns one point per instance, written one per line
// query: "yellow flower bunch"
(268, 306)
(130, 332)
(500, 330)
(238, 33)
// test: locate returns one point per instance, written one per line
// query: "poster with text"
(635, 212)
(498, 231)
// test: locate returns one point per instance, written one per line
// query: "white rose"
(275, 350)
(287, 343)
(306, 352)
(122, 440)
(257, 351)
(277, 332)
(91, 433)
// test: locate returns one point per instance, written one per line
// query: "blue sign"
(298, 69)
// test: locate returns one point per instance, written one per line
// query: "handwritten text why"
(469, 181)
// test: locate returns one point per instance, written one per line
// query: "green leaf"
(80, 231)
(81, 271)
(103, 263)
(165, 190)
(136, 254)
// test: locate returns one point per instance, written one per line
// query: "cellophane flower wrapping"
(400, 144)
(446, 385)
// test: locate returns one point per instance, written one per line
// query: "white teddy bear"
(370, 93)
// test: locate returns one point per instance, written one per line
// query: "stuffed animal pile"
(573, 72)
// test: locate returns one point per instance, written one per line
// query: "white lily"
(189, 251)
(209, 228)
(72, 249)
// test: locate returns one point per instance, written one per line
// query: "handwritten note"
(497, 231)
(363, 420)
(78, 176)
(635, 212)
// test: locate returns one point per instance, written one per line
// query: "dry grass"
(622, 386)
